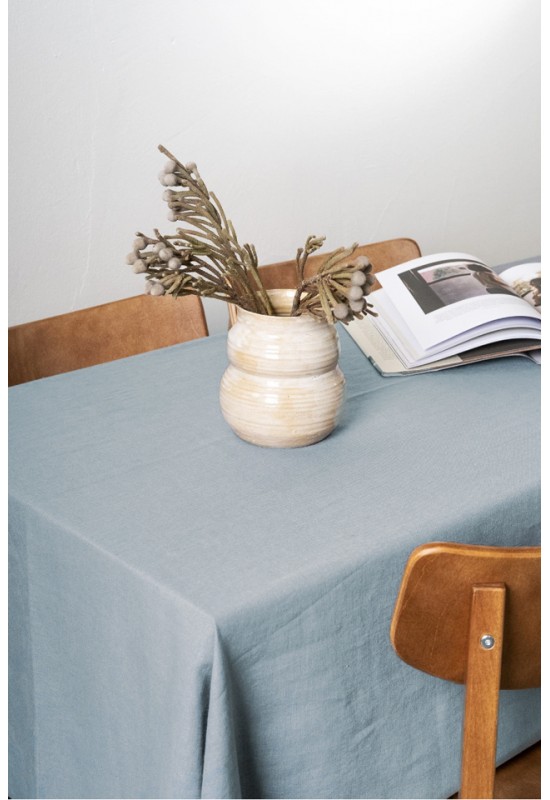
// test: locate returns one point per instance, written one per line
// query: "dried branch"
(206, 259)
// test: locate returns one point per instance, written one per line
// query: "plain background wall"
(358, 119)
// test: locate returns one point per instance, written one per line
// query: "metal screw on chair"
(487, 641)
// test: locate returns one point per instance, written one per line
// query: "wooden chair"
(102, 333)
(381, 254)
(471, 614)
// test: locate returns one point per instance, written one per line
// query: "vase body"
(283, 386)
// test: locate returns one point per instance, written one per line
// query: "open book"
(450, 309)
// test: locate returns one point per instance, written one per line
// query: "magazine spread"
(448, 309)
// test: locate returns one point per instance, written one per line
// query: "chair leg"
(482, 691)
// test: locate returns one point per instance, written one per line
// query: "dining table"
(194, 616)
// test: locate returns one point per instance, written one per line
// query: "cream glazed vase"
(283, 386)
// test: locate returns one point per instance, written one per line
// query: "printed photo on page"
(447, 299)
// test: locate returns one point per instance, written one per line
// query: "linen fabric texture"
(193, 616)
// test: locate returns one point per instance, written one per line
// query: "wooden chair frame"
(471, 614)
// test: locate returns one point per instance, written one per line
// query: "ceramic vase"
(283, 386)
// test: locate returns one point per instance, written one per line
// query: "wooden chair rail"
(471, 614)
(382, 255)
(519, 777)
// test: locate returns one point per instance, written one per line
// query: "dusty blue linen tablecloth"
(193, 616)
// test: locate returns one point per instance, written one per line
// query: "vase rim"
(285, 298)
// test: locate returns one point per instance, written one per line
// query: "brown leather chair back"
(102, 333)
(381, 254)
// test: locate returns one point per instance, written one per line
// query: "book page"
(402, 341)
(388, 361)
(525, 281)
(445, 299)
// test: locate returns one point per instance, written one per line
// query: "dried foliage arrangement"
(205, 258)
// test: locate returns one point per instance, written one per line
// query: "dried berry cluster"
(338, 290)
(206, 259)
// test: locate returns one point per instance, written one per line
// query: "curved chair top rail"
(430, 624)
(382, 255)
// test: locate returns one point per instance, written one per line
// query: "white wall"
(358, 119)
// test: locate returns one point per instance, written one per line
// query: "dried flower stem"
(205, 259)
(205, 213)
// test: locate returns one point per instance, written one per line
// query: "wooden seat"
(382, 255)
(471, 614)
(102, 333)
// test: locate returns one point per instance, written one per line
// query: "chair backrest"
(102, 333)
(471, 614)
(430, 625)
(381, 254)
